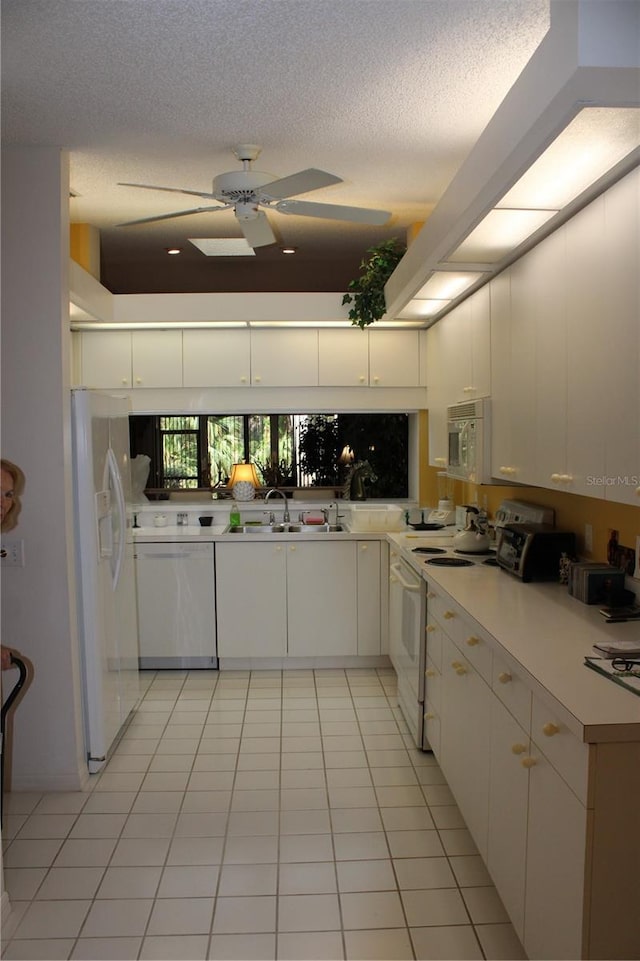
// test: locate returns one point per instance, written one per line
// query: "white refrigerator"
(105, 573)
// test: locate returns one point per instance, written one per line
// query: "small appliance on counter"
(532, 551)
(474, 537)
(445, 513)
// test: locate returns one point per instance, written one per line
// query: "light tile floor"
(254, 815)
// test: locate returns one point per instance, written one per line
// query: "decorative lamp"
(347, 456)
(243, 482)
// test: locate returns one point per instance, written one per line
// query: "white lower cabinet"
(251, 600)
(465, 739)
(557, 846)
(370, 593)
(548, 813)
(290, 598)
(176, 605)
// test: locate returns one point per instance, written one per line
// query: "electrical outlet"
(588, 538)
(12, 553)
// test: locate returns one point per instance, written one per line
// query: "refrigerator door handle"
(116, 484)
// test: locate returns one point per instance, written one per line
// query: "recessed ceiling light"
(288, 250)
(173, 250)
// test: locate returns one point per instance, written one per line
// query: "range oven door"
(408, 645)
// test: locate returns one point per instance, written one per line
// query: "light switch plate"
(12, 553)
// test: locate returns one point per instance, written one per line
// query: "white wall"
(38, 601)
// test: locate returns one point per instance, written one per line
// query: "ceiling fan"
(246, 190)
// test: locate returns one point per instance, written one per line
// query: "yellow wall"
(572, 510)
(84, 243)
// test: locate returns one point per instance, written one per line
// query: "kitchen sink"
(285, 529)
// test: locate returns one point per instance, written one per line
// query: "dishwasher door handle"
(407, 586)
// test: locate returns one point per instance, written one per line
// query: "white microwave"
(469, 441)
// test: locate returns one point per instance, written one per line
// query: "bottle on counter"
(234, 516)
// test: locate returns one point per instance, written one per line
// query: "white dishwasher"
(176, 605)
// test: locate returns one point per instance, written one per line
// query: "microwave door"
(454, 447)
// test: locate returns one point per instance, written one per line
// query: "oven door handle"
(406, 585)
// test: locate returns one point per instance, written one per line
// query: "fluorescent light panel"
(595, 141)
(223, 246)
(447, 284)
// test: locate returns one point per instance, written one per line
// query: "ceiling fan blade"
(300, 183)
(356, 215)
(171, 190)
(177, 213)
(257, 232)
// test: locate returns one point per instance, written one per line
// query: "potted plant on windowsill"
(366, 292)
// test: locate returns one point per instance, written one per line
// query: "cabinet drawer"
(568, 755)
(512, 691)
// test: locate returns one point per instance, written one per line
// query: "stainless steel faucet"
(286, 517)
(335, 504)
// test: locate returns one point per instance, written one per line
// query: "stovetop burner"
(429, 550)
(450, 562)
(488, 550)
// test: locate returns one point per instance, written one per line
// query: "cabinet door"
(622, 364)
(176, 605)
(284, 358)
(369, 597)
(436, 398)
(546, 308)
(106, 359)
(480, 342)
(394, 358)
(503, 376)
(523, 361)
(343, 358)
(216, 358)
(555, 866)
(157, 358)
(251, 600)
(321, 592)
(508, 807)
(465, 739)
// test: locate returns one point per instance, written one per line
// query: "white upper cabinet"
(620, 326)
(343, 357)
(284, 358)
(369, 358)
(394, 358)
(216, 358)
(464, 348)
(156, 358)
(105, 359)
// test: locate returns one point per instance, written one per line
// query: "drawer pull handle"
(473, 640)
(549, 729)
(431, 594)
(429, 716)
(430, 673)
(449, 614)
(504, 677)
(461, 670)
(431, 628)
(456, 664)
(529, 761)
(518, 748)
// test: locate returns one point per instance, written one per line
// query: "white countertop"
(547, 633)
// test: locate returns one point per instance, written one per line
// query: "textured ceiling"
(390, 95)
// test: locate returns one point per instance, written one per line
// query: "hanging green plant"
(366, 292)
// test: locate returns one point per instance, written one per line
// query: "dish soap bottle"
(234, 516)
